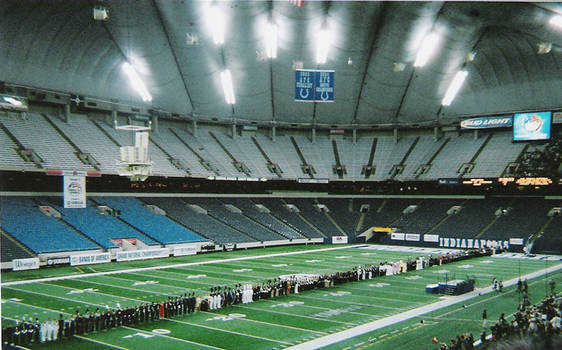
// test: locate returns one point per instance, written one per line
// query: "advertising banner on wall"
(412, 237)
(487, 122)
(143, 254)
(87, 259)
(74, 189)
(431, 238)
(339, 239)
(397, 236)
(472, 243)
(25, 264)
(181, 251)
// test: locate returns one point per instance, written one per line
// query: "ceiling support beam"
(375, 34)
(165, 29)
(273, 117)
(481, 35)
(413, 74)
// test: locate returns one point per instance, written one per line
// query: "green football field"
(275, 323)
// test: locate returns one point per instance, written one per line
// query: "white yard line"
(172, 338)
(271, 324)
(14, 283)
(228, 331)
(292, 315)
(378, 324)
(55, 296)
(100, 342)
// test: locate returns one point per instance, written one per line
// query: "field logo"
(279, 265)
(243, 270)
(196, 276)
(413, 278)
(13, 300)
(82, 291)
(337, 312)
(465, 266)
(379, 285)
(155, 332)
(145, 283)
(289, 304)
(338, 294)
(230, 317)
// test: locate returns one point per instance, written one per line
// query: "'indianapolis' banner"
(314, 85)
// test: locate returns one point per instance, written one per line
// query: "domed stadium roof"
(511, 52)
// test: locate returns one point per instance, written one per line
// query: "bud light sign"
(487, 122)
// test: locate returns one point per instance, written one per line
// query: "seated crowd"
(533, 327)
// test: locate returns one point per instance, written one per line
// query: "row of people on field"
(25, 333)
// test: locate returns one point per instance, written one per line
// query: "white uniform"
(55, 330)
(43, 332)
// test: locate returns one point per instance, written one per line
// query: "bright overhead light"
(322, 44)
(13, 101)
(226, 79)
(136, 82)
(427, 49)
(556, 21)
(271, 40)
(454, 87)
(217, 22)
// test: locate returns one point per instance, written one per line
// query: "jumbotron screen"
(532, 126)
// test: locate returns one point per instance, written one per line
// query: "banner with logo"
(74, 191)
(339, 239)
(431, 238)
(87, 259)
(312, 85)
(58, 261)
(181, 251)
(397, 236)
(412, 237)
(25, 264)
(487, 122)
(472, 243)
(143, 254)
(516, 241)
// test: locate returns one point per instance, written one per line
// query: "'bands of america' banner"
(314, 85)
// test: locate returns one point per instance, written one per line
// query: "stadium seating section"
(236, 220)
(22, 219)
(158, 227)
(178, 153)
(100, 228)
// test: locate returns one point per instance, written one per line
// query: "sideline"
(70, 277)
(387, 321)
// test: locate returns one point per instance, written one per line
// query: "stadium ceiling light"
(322, 44)
(136, 82)
(226, 79)
(454, 87)
(556, 21)
(217, 22)
(271, 40)
(13, 101)
(427, 49)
